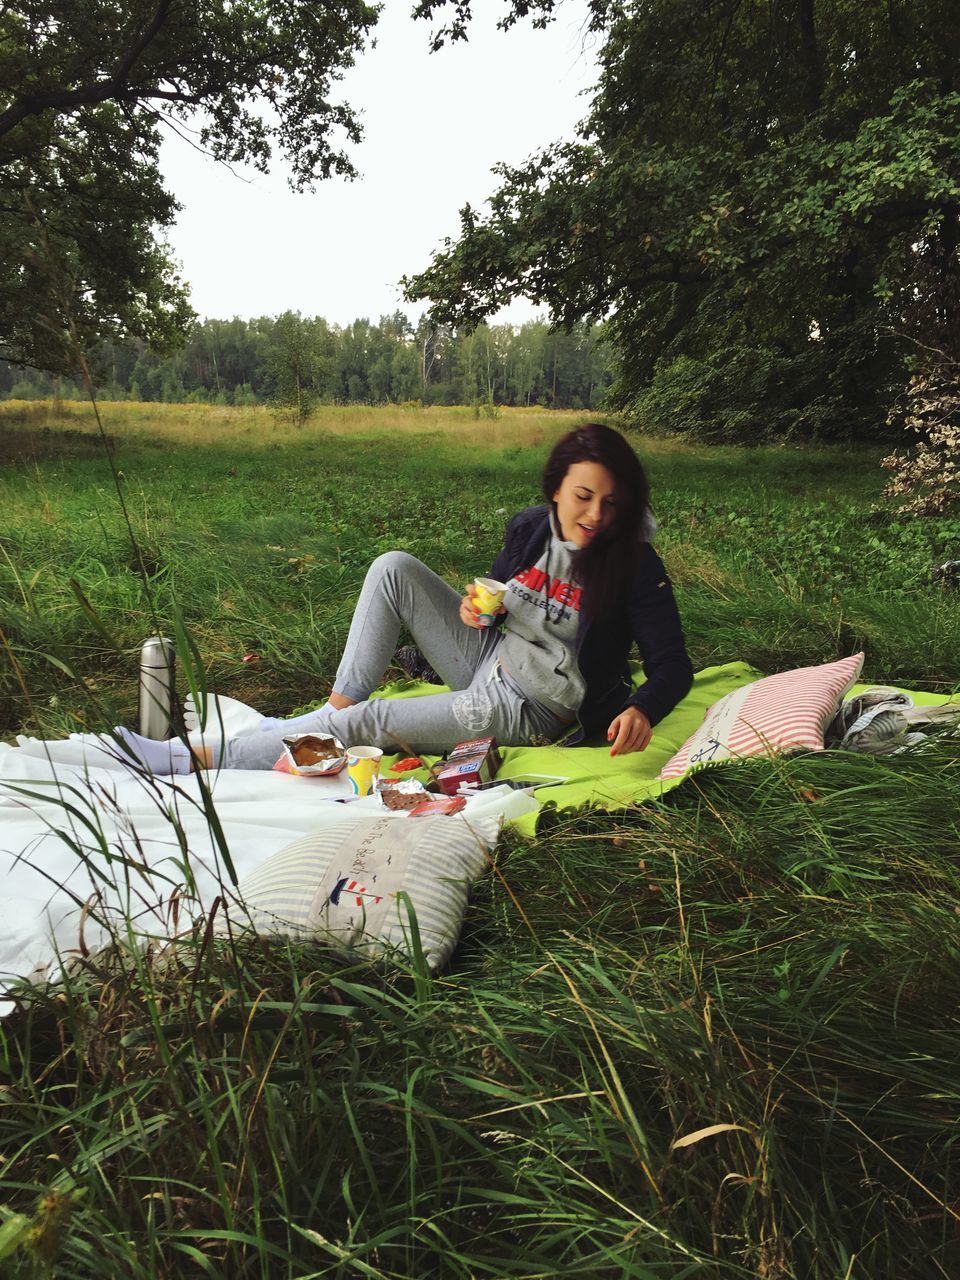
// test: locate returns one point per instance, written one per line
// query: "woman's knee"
(393, 564)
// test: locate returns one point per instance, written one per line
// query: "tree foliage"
(763, 200)
(85, 86)
(298, 360)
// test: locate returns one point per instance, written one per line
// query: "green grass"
(261, 533)
(774, 950)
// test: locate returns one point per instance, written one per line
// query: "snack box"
(312, 755)
(466, 769)
(475, 746)
(449, 804)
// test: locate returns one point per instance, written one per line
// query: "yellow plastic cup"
(363, 769)
(487, 595)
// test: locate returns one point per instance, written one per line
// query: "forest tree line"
(298, 361)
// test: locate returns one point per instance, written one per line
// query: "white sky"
(434, 125)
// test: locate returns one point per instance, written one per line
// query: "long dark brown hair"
(604, 568)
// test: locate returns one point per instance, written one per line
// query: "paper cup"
(363, 769)
(488, 597)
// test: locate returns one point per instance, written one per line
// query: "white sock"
(156, 755)
(103, 751)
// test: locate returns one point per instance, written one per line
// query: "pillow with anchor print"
(383, 885)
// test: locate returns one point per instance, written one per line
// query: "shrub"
(927, 475)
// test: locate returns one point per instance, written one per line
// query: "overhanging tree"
(85, 86)
(763, 200)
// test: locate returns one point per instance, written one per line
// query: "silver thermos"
(157, 671)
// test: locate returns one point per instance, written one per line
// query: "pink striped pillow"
(778, 713)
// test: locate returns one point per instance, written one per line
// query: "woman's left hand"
(630, 731)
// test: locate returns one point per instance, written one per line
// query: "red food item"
(404, 766)
(251, 657)
(449, 804)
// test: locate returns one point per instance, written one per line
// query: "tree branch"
(810, 53)
(140, 44)
(90, 95)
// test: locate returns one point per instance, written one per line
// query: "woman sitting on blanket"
(583, 584)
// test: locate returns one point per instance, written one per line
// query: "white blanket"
(89, 852)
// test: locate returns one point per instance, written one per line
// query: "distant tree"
(378, 379)
(432, 342)
(354, 345)
(525, 377)
(405, 373)
(297, 365)
(395, 328)
(84, 87)
(468, 367)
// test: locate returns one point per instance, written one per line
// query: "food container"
(314, 756)
(156, 690)
(488, 596)
(363, 769)
(474, 746)
(469, 763)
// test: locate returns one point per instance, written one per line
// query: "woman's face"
(586, 502)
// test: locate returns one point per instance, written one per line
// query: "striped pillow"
(784, 712)
(343, 883)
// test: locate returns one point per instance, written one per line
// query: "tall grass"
(201, 425)
(716, 1037)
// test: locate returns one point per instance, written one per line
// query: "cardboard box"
(477, 746)
(469, 762)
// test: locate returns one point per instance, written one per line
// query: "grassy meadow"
(259, 532)
(717, 1037)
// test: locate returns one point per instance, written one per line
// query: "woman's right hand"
(469, 613)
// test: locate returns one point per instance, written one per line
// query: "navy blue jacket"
(648, 617)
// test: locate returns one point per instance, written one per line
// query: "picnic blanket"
(85, 849)
(91, 854)
(595, 779)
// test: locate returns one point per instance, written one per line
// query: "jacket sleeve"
(512, 538)
(655, 627)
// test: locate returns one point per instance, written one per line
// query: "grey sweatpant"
(484, 700)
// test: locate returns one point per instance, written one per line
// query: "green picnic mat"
(598, 780)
